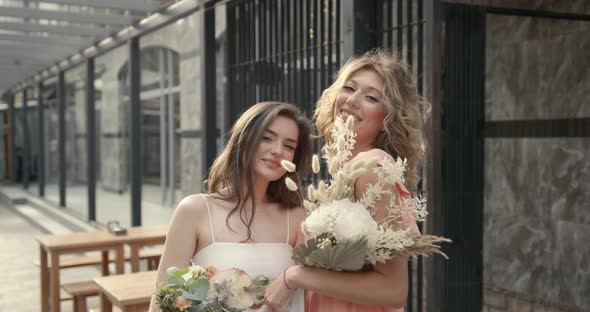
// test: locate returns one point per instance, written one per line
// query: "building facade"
(517, 217)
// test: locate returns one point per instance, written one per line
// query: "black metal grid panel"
(400, 28)
(462, 157)
(283, 50)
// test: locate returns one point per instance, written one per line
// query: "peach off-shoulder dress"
(315, 302)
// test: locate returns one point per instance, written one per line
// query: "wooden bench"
(79, 292)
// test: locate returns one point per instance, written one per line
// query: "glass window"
(113, 200)
(50, 125)
(34, 139)
(76, 141)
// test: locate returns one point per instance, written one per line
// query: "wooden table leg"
(105, 262)
(54, 282)
(134, 257)
(105, 304)
(44, 269)
(140, 307)
(120, 259)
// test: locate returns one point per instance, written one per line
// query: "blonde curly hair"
(407, 111)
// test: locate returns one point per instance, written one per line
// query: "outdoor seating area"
(128, 292)
(64, 251)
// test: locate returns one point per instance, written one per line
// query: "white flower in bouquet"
(197, 270)
(344, 220)
(194, 272)
(171, 270)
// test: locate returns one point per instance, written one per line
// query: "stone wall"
(536, 221)
(182, 37)
(536, 226)
(76, 139)
(501, 300)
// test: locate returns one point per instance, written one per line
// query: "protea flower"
(230, 288)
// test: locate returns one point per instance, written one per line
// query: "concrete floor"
(19, 280)
(112, 205)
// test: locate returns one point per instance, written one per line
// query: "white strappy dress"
(268, 259)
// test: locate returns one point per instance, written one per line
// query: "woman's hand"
(279, 293)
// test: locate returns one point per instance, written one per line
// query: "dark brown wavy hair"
(232, 174)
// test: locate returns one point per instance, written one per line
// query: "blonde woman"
(379, 91)
(248, 219)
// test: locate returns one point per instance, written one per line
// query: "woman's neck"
(258, 195)
(259, 192)
(358, 148)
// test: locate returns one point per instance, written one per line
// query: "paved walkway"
(110, 205)
(19, 270)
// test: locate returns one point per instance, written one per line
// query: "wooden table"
(53, 246)
(129, 292)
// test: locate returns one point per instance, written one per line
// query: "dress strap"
(288, 224)
(209, 214)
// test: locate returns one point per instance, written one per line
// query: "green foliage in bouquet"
(196, 289)
(323, 252)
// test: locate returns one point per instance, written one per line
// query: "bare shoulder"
(370, 177)
(375, 153)
(381, 156)
(297, 214)
(192, 206)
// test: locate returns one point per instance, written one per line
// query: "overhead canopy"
(35, 34)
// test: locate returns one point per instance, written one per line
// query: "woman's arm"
(299, 216)
(386, 284)
(277, 295)
(181, 240)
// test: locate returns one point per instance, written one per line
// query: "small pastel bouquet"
(341, 231)
(198, 289)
